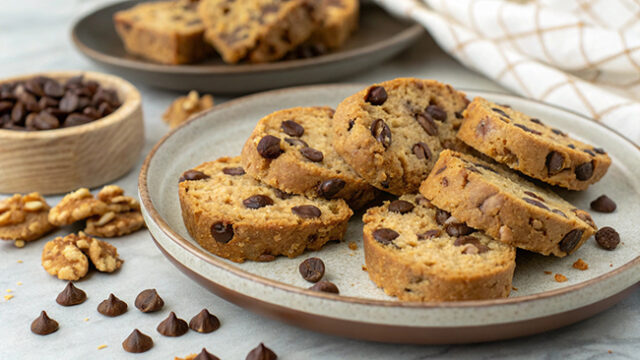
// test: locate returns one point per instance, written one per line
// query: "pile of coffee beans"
(42, 103)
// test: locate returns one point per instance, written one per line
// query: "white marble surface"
(35, 37)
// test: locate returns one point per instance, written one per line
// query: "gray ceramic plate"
(379, 37)
(364, 311)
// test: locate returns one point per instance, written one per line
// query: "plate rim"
(410, 33)
(213, 260)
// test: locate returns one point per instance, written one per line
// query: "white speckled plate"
(362, 310)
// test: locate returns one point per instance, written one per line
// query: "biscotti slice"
(391, 133)
(528, 145)
(419, 253)
(237, 217)
(256, 30)
(506, 206)
(168, 32)
(338, 20)
(291, 150)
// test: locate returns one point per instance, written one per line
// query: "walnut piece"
(103, 255)
(114, 224)
(76, 206)
(113, 196)
(24, 218)
(186, 106)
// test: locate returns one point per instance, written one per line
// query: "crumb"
(547, 272)
(514, 288)
(580, 265)
(8, 297)
(351, 254)
(353, 245)
(19, 243)
(19, 261)
(9, 290)
(364, 267)
(19, 283)
(86, 319)
(560, 278)
(610, 265)
(102, 347)
(610, 352)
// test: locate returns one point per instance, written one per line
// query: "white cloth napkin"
(582, 55)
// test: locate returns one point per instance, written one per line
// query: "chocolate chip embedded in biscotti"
(400, 206)
(306, 211)
(603, 204)
(381, 132)
(421, 151)
(436, 112)
(281, 194)
(234, 171)
(535, 203)
(292, 128)
(608, 238)
(351, 123)
(536, 121)
(442, 216)
(376, 95)
(571, 240)
(329, 188)
(589, 152)
(529, 130)
(558, 132)
(478, 247)
(555, 163)
(426, 122)
(584, 171)
(599, 150)
(501, 112)
(193, 175)
(312, 154)
(257, 201)
(458, 229)
(269, 147)
(312, 269)
(571, 146)
(221, 232)
(534, 195)
(385, 236)
(429, 234)
(559, 212)
(295, 142)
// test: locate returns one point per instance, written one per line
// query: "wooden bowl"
(89, 155)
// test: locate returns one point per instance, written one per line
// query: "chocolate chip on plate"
(306, 211)
(385, 236)
(269, 147)
(603, 204)
(205, 355)
(71, 295)
(400, 206)
(376, 95)
(261, 352)
(112, 306)
(292, 128)
(137, 342)
(312, 154)
(608, 238)
(149, 301)
(204, 322)
(312, 269)
(330, 188)
(233, 171)
(44, 325)
(325, 286)
(222, 232)
(173, 326)
(257, 201)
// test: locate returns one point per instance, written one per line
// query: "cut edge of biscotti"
(236, 217)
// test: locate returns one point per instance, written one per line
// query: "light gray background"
(35, 37)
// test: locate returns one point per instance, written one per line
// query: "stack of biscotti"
(187, 31)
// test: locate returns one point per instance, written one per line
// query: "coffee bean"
(5, 106)
(233, 171)
(599, 150)
(535, 203)
(501, 112)
(381, 132)
(91, 112)
(205, 355)
(44, 325)
(536, 132)
(18, 113)
(204, 322)
(172, 326)
(105, 109)
(45, 121)
(261, 352)
(330, 188)
(149, 301)
(584, 171)
(400, 206)
(312, 269)
(555, 163)
(112, 306)
(464, 240)
(71, 295)
(385, 236)
(429, 234)
(53, 89)
(69, 102)
(571, 240)
(257, 201)
(221, 232)
(292, 128)
(306, 211)
(137, 342)
(325, 286)
(312, 154)
(34, 87)
(458, 229)
(269, 147)
(47, 102)
(295, 142)
(426, 122)
(442, 216)
(558, 132)
(603, 204)
(608, 238)
(376, 95)
(437, 113)
(193, 175)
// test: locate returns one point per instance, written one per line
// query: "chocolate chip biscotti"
(236, 217)
(506, 206)
(291, 150)
(168, 32)
(391, 133)
(419, 253)
(256, 30)
(528, 145)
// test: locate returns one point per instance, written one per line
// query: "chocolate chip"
(385, 184)
(112, 306)
(584, 171)
(603, 204)
(381, 132)
(330, 188)
(428, 125)
(429, 234)
(325, 286)
(589, 152)
(458, 229)
(205, 355)
(571, 240)
(458, 115)
(221, 232)
(351, 123)
(385, 236)
(295, 142)
(281, 194)
(45, 121)
(571, 146)
(376, 95)
(262, 352)
(292, 128)
(534, 195)
(599, 150)
(312, 154)
(558, 132)
(421, 200)
(442, 216)
(473, 169)
(535, 203)
(536, 121)
(137, 342)
(71, 295)
(608, 238)
(439, 171)
(306, 211)
(269, 147)
(233, 171)
(501, 112)
(204, 322)
(173, 326)
(257, 201)
(400, 206)
(149, 301)
(536, 132)
(312, 269)
(436, 112)
(44, 325)
(193, 175)
(465, 240)
(555, 163)
(556, 211)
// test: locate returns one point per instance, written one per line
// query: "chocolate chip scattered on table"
(149, 301)
(137, 342)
